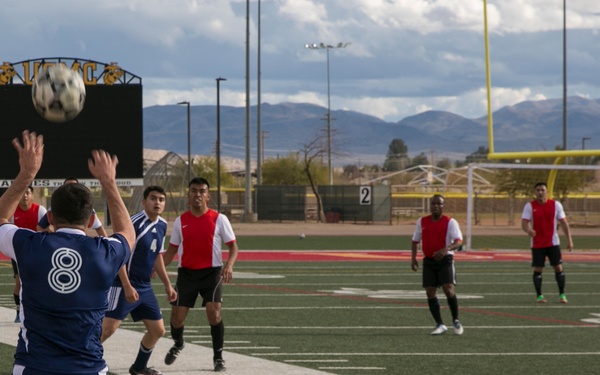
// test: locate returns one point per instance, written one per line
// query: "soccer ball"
(301, 236)
(58, 93)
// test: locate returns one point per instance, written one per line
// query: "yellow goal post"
(559, 154)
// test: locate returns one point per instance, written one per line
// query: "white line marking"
(378, 354)
(409, 307)
(252, 347)
(314, 360)
(352, 368)
(226, 342)
(416, 283)
(329, 328)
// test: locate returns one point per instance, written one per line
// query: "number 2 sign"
(365, 195)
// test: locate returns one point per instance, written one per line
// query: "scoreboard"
(110, 120)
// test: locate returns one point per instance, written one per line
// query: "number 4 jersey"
(149, 244)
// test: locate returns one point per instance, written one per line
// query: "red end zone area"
(403, 256)
(385, 256)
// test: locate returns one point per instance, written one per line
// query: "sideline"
(120, 351)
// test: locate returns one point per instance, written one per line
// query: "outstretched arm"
(31, 154)
(103, 167)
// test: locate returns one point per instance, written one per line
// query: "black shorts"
(538, 256)
(191, 283)
(438, 272)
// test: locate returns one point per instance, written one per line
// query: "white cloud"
(406, 56)
(303, 11)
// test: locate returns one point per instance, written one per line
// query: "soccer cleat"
(458, 328)
(541, 299)
(146, 371)
(562, 298)
(219, 365)
(173, 353)
(440, 329)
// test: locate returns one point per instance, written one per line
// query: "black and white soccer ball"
(301, 236)
(58, 93)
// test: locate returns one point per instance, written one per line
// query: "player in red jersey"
(439, 235)
(27, 215)
(197, 238)
(540, 219)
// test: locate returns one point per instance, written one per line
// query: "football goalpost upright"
(559, 156)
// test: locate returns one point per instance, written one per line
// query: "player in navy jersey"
(65, 275)
(197, 237)
(439, 236)
(132, 290)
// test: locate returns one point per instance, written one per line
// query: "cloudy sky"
(405, 56)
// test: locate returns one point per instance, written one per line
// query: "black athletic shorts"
(538, 256)
(191, 283)
(438, 272)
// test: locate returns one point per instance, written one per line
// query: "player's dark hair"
(155, 188)
(540, 184)
(30, 188)
(437, 196)
(72, 204)
(199, 181)
(70, 178)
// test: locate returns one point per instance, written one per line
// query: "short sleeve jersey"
(29, 219)
(149, 243)
(199, 239)
(436, 235)
(544, 219)
(65, 279)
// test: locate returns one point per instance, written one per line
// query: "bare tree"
(313, 153)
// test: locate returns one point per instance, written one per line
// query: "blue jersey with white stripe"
(149, 243)
(65, 278)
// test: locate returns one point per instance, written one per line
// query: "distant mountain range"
(364, 139)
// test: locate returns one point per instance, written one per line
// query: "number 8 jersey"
(65, 279)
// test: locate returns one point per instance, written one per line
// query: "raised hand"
(31, 152)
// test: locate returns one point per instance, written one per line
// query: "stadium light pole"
(583, 142)
(189, 154)
(219, 142)
(259, 150)
(327, 47)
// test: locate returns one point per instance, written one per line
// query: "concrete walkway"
(120, 351)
